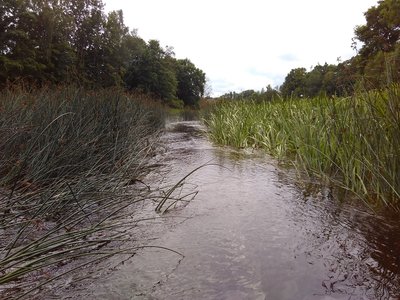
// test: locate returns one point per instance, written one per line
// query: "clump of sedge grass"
(352, 141)
(67, 160)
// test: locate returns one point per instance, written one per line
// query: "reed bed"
(68, 160)
(352, 142)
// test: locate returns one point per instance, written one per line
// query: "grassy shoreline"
(352, 141)
(69, 159)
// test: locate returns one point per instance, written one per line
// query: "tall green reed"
(68, 158)
(350, 141)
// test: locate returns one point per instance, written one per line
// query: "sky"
(250, 44)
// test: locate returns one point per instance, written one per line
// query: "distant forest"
(376, 64)
(75, 42)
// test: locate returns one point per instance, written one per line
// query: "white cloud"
(248, 44)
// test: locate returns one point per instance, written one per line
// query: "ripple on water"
(252, 234)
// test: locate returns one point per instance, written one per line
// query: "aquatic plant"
(69, 159)
(351, 141)
(176, 194)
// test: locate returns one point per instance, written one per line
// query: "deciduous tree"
(382, 30)
(151, 72)
(191, 82)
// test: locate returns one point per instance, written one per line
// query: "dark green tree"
(314, 81)
(347, 74)
(270, 93)
(151, 72)
(113, 61)
(53, 41)
(51, 36)
(321, 80)
(18, 42)
(294, 84)
(39, 39)
(88, 22)
(382, 31)
(191, 82)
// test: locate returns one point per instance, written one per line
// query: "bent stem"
(168, 194)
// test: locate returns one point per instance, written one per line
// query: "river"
(253, 233)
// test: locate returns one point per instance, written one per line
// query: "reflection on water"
(251, 234)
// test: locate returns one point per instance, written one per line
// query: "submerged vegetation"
(351, 141)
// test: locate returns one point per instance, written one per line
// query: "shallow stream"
(252, 233)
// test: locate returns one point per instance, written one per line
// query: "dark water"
(252, 234)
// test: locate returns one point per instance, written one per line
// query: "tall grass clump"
(68, 158)
(352, 141)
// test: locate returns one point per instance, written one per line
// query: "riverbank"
(71, 165)
(349, 142)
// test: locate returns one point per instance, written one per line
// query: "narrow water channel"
(251, 233)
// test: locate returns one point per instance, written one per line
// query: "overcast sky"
(248, 44)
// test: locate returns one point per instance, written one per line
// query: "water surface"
(251, 233)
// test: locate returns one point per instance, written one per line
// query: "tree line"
(75, 41)
(376, 64)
